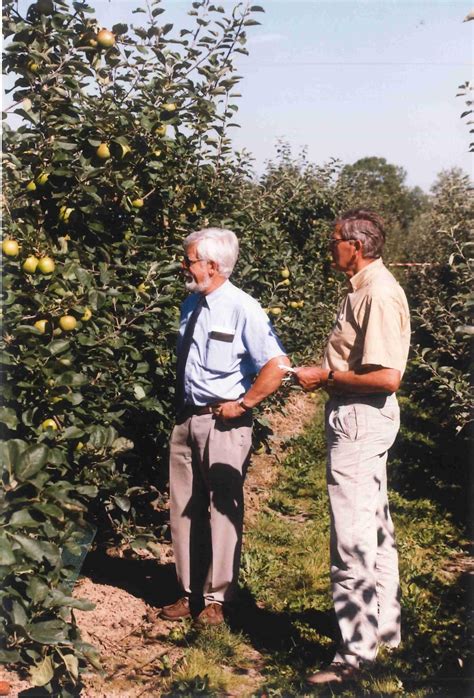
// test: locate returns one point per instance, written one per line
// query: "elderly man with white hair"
(229, 360)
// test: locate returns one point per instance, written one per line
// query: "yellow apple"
(105, 38)
(10, 248)
(67, 323)
(87, 315)
(46, 265)
(103, 152)
(33, 67)
(160, 130)
(31, 186)
(169, 106)
(294, 304)
(42, 178)
(49, 424)
(193, 208)
(285, 282)
(137, 203)
(30, 264)
(285, 273)
(275, 311)
(65, 213)
(41, 325)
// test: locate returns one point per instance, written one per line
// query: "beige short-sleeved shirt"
(373, 323)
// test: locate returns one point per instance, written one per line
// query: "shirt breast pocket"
(220, 350)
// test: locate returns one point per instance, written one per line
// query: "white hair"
(216, 245)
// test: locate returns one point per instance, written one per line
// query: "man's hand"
(311, 377)
(229, 410)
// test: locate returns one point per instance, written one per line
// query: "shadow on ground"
(149, 580)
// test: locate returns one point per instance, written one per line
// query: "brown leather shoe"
(178, 609)
(211, 615)
(335, 673)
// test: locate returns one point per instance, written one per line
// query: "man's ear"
(214, 267)
(358, 245)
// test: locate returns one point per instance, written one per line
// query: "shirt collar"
(364, 275)
(213, 298)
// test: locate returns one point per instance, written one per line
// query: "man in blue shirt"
(229, 360)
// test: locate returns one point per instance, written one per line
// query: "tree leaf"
(48, 632)
(31, 461)
(57, 346)
(72, 665)
(8, 417)
(122, 502)
(42, 673)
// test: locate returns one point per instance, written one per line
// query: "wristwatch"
(242, 404)
(330, 379)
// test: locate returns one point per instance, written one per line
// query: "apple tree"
(115, 146)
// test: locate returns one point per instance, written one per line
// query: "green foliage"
(112, 155)
(374, 183)
(436, 390)
(121, 151)
(465, 91)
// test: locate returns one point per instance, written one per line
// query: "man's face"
(342, 251)
(196, 271)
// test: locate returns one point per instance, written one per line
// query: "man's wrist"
(330, 379)
(244, 405)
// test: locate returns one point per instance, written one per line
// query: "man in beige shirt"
(362, 368)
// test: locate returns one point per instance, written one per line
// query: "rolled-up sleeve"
(259, 337)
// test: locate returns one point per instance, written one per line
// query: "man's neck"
(359, 264)
(217, 281)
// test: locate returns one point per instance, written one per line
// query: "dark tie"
(183, 354)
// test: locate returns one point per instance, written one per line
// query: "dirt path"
(137, 647)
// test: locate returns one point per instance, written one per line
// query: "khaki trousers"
(208, 463)
(364, 561)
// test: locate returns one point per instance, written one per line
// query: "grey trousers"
(208, 463)
(364, 560)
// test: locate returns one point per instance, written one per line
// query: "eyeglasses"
(189, 262)
(334, 242)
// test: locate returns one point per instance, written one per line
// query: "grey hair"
(216, 245)
(364, 225)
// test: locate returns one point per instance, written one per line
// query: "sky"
(348, 79)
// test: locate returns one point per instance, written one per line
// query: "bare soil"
(129, 589)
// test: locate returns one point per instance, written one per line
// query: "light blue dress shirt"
(233, 339)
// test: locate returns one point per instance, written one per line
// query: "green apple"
(105, 38)
(41, 325)
(49, 424)
(103, 151)
(30, 264)
(10, 248)
(46, 265)
(67, 323)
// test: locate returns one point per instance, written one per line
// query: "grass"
(282, 626)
